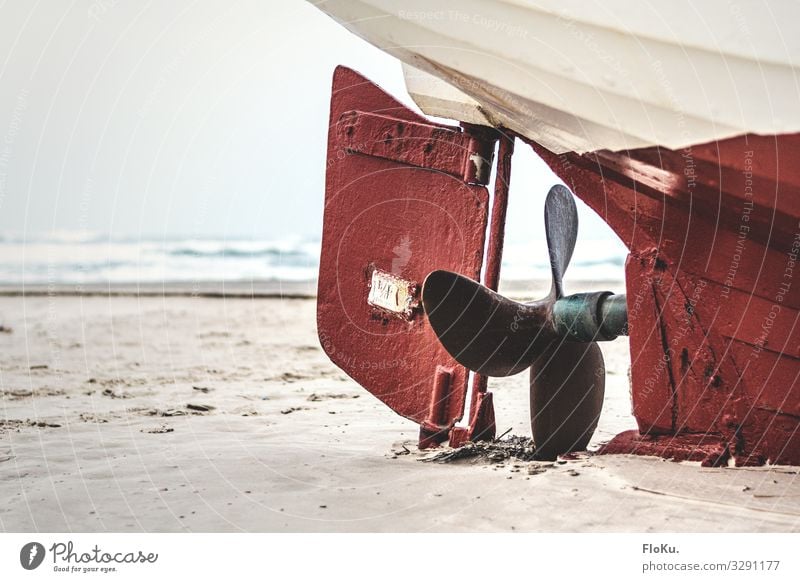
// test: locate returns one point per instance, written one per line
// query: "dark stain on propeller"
(555, 337)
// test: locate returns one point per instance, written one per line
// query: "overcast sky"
(181, 118)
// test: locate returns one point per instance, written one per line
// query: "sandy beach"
(178, 413)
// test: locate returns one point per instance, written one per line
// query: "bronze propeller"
(556, 337)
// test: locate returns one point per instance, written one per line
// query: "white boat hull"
(584, 76)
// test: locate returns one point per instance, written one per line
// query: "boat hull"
(713, 288)
(585, 75)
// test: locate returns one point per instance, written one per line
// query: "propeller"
(556, 337)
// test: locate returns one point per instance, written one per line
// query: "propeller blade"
(484, 331)
(567, 388)
(561, 229)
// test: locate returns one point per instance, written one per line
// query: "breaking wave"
(68, 257)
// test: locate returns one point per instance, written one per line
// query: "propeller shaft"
(591, 317)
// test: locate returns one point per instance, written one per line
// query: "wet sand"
(180, 413)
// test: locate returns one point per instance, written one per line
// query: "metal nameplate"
(391, 293)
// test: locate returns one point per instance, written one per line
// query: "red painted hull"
(713, 292)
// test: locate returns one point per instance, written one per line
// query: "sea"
(81, 258)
